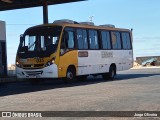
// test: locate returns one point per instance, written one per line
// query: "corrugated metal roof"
(18, 4)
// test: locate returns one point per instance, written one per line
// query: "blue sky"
(141, 15)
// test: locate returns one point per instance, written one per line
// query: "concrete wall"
(0, 56)
(2, 30)
(11, 70)
(3, 53)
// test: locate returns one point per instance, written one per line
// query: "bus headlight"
(17, 64)
(50, 62)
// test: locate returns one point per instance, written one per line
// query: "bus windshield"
(40, 39)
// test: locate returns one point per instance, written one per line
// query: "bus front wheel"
(70, 75)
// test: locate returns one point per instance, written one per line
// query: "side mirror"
(24, 49)
(21, 38)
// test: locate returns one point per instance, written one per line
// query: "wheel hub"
(69, 75)
(112, 74)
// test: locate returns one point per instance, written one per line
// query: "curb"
(145, 67)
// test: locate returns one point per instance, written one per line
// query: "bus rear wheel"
(111, 74)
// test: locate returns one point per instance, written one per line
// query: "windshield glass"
(40, 39)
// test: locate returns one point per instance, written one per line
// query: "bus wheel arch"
(112, 72)
(70, 73)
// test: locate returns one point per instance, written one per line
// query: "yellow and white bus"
(67, 49)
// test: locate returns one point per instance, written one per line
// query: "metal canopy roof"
(18, 4)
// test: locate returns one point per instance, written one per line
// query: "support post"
(45, 12)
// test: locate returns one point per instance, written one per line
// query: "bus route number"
(38, 60)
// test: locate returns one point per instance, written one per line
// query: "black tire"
(111, 74)
(70, 75)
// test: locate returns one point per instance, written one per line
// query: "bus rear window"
(126, 41)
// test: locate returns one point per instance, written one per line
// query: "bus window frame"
(99, 37)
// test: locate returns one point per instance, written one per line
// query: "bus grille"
(33, 66)
(34, 73)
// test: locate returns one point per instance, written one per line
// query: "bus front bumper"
(47, 72)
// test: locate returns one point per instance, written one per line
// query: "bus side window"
(65, 38)
(82, 39)
(106, 41)
(116, 40)
(70, 42)
(93, 40)
(67, 41)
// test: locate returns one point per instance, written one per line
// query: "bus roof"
(78, 25)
